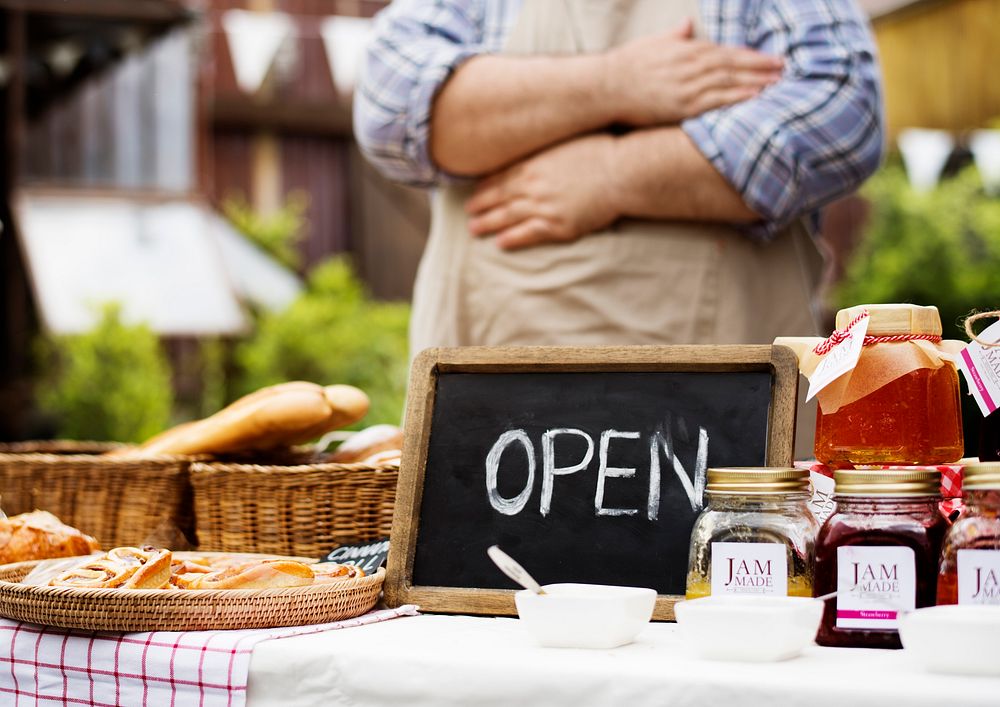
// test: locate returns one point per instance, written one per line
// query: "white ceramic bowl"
(585, 615)
(953, 639)
(749, 628)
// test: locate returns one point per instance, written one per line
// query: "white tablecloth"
(467, 661)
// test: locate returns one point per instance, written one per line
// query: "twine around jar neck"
(839, 335)
(972, 319)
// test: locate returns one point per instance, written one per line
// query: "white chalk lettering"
(353, 553)
(549, 468)
(701, 469)
(509, 506)
(694, 490)
(604, 471)
(653, 500)
(661, 439)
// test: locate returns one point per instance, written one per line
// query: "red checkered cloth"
(951, 482)
(41, 665)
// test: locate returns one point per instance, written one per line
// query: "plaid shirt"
(810, 138)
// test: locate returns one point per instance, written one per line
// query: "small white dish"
(749, 628)
(956, 638)
(585, 615)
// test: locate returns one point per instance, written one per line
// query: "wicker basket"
(182, 609)
(291, 510)
(118, 501)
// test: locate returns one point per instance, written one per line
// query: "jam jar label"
(875, 584)
(979, 576)
(749, 568)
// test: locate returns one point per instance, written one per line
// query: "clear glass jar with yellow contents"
(756, 534)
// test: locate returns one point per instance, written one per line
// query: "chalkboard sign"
(585, 464)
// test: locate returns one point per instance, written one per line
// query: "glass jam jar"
(879, 552)
(970, 558)
(755, 536)
(913, 419)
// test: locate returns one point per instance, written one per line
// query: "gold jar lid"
(886, 319)
(984, 475)
(887, 482)
(757, 480)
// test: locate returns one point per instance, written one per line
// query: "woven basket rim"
(96, 459)
(210, 467)
(27, 444)
(128, 610)
(207, 596)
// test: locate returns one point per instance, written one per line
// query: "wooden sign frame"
(780, 361)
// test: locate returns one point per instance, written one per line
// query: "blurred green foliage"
(277, 233)
(111, 383)
(940, 247)
(333, 333)
(114, 382)
(212, 355)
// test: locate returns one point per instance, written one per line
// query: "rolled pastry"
(326, 572)
(371, 440)
(124, 567)
(264, 574)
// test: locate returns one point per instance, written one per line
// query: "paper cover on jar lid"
(882, 364)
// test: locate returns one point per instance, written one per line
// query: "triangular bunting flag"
(345, 39)
(925, 153)
(254, 40)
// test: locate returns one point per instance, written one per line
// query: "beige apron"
(639, 282)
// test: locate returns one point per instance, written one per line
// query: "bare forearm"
(497, 109)
(660, 174)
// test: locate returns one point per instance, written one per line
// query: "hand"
(666, 78)
(556, 195)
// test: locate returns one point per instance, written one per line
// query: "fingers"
(683, 30)
(489, 194)
(723, 79)
(499, 218)
(716, 98)
(531, 232)
(742, 58)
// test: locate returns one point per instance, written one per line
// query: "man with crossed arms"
(620, 171)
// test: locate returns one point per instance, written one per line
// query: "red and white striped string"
(839, 335)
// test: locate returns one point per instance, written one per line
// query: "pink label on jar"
(869, 615)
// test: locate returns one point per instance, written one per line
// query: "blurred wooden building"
(939, 62)
(293, 135)
(124, 124)
(51, 50)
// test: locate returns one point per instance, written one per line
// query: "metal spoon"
(510, 567)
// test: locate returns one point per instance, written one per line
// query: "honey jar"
(900, 404)
(755, 536)
(878, 552)
(970, 558)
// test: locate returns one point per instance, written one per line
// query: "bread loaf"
(277, 416)
(368, 442)
(40, 536)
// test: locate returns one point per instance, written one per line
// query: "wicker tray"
(118, 501)
(291, 510)
(182, 609)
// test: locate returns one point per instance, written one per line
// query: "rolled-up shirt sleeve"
(416, 46)
(817, 133)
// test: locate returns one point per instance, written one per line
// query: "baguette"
(277, 416)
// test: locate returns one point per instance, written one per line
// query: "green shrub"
(279, 233)
(111, 383)
(940, 247)
(333, 333)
